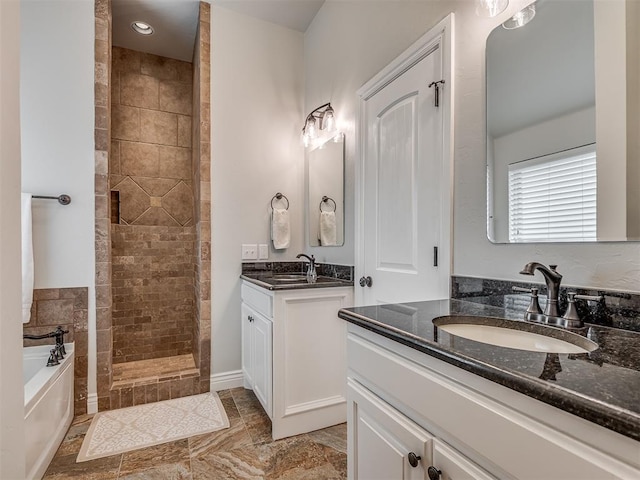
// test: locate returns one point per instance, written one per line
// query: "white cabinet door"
(454, 466)
(262, 367)
(247, 350)
(257, 355)
(382, 442)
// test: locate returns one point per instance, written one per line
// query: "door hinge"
(435, 256)
(436, 95)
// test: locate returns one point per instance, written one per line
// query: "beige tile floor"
(243, 451)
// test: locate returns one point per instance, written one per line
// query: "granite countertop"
(602, 386)
(274, 281)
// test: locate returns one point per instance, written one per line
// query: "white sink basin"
(517, 335)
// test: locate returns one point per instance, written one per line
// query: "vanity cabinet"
(402, 401)
(384, 443)
(294, 355)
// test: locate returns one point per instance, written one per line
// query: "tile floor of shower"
(245, 450)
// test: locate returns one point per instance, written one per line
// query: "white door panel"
(403, 191)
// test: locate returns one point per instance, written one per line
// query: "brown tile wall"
(201, 178)
(164, 160)
(150, 165)
(152, 291)
(102, 95)
(67, 307)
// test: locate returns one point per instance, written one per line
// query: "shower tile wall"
(152, 291)
(201, 177)
(153, 242)
(150, 162)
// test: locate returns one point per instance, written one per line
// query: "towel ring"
(326, 199)
(279, 196)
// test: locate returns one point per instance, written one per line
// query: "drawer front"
(258, 299)
(493, 431)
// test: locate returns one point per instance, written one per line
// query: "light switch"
(263, 251)
(249, 251)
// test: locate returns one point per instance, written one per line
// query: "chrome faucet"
(312, 276)
(552, 279)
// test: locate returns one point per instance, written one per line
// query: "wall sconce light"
(319, 126)
(490, 8)
(521, 18)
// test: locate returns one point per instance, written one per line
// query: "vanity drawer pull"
(413, 459)
(433, 473)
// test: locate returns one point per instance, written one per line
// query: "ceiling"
(175, 21)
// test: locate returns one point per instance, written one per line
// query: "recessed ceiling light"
(142, 28)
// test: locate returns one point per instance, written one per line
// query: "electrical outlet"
(263, 251)
(249, 251)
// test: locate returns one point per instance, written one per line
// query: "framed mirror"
(562, 96)
(325, 215)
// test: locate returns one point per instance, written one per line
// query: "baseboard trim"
(92, 403)
(226, 380)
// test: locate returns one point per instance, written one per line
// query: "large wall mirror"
(563, 106)
(325, 216)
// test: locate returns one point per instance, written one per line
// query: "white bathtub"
(48, 406)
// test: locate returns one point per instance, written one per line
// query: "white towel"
(27, 258)
(328, 230)
(280, 230)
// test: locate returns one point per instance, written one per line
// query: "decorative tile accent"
(133, 200)
(178, 203)
(67, 307)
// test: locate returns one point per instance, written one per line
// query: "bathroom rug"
(118, 431)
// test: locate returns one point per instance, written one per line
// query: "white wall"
(256, 117)
(11, 389)
(350, 41)
(57, 120)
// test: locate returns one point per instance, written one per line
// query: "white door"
(383, 444)
(405, 183)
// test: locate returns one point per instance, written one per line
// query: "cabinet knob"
(433, 473)
(366, 281)
(250, 318)
(413, 459)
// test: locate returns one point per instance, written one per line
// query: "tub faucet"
(552, 279)
(58, 334)
(312, 276)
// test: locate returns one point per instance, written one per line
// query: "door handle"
(366, 281)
